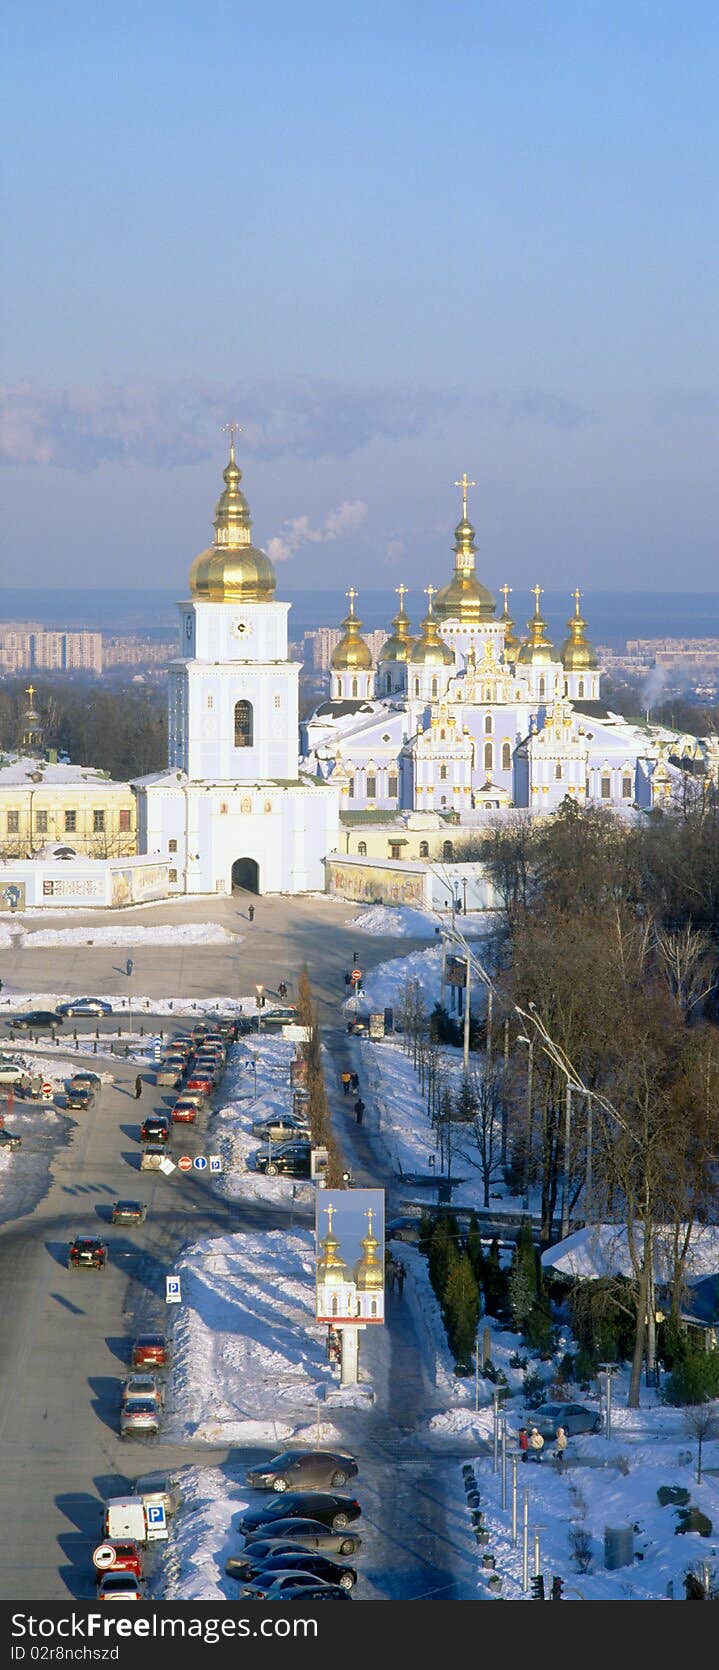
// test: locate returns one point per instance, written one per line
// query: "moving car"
(128, 1557)
(128, 1212)
(304, 1470)
(291, 1159)
(87, 1252)
(36, 1020)
(284, 1127)
(120, 1585)
(139, 1418)
(152, 1156)
(285, 1535)
(91, 1081)
(143, 1385)
(11, 1140)
(318, 1565)
(150, 1351)
(200, 1081)
(79, 1097)
(85, 1006)
(328, 1507)
(574, 1417)
(184, 1112)
(155, 1127)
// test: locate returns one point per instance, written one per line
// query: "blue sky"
(395, 242)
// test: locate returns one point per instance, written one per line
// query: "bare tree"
(486, 1127)
(701, 1421)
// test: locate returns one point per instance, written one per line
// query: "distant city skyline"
(393, 245)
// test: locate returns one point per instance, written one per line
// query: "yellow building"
(44, 804)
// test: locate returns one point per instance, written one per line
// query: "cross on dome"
(464, 482)
(537, 592)
(577, 599)
(30, 691)
(401, 593)
(506, 593)
(232, 429)
(430, 592)
(352, 594)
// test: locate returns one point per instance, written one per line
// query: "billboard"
(349, 1235)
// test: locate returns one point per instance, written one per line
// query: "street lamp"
(523, 1039)
(260, 1000)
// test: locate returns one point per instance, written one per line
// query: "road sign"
(173, 1291)
(156, 1521)
(200, 1162)
(46, 1091)
(156, 1047)
(356, 976)
(167, 1165)
(104, 1557)
(185, 1162)
(319, 1161)
(216, 1162)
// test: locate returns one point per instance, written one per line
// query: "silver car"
(143, 1386)
(139, 1418)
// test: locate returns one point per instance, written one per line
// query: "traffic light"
(557, 1586)
(538, 1588)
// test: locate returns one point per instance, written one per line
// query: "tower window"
(371, 786)
(435, 687)
(542, 686)
(506, 757)
(388, 681)
(354, 687)
(447, 849)
(362, 849)
(488, 724)
(416, 687)
(243, 725)
(278, 701)
(558, 771)
(351, 788)
(488, 756)
(424, 849)
(443, 773)
(210, 701)
(580, 688)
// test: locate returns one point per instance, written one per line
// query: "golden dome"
(511, 641)
(537, 651)
(352, 654)
(331, 1270)
(232, 569)
(578, 655)
(465, 598)
(430, 650)
(368, 1272)
(398, 646)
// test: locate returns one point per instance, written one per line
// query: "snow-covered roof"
(603, 1250)
(26, 771)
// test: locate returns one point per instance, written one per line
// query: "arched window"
(443, 773)
(447, 849)
(354, 687)
(335, 1305)
(580, 688)
(443, 735)
(435, 687)
(243, 725)
(605, 788)
(392, 786)
(626, 786)
(558, 771)
(488, 756)
(338, 687)
(388, 681)
(358, 1306)
(506, 757)
(424, 849)
(542, 686)
(488, 724)
(373, 1308)
(362, 849)
(416, 687)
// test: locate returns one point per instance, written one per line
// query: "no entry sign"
(184, 1163)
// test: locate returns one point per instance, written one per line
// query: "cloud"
(394, 550)
(165, 425)
(298, 530)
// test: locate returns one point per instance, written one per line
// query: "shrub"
(692, 1519)
(580, 1544)
(694, 1379)
(532, 1388)
(674, 1494)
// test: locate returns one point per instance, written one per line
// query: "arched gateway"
(245, 876)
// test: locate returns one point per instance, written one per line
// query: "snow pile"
(402, 921)
(386, 984)
(160, 933)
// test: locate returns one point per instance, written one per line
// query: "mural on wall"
(374, 884)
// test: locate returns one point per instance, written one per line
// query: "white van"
(125, 1517)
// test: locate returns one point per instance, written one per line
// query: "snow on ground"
(13, 936)
(174, 1007)
(402, 921)
(239, 1108)
(386, 984)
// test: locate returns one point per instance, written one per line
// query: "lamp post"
(523, 1039)
(260, 1003)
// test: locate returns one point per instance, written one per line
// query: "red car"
(150, 1351)
(128, 1557)
(184, 1113)
(204, 1085)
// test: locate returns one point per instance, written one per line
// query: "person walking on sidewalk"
(355, 1081)
(359, 1110)
(251, 913)
(523, 1441)
(536, 1444)
(346, 1082)
(561, 1443)
(138, 1088)
(401, 1273)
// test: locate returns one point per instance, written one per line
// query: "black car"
(10, 1139)
(288, 1159)
(155, 1127)
(323, 1505)
(318, 1565)
(87, 1252)
(36, 1020)
(324, 1591)
(304, 1470)
(78, 1096)
(286, 1536)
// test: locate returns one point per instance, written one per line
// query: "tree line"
(122, 731)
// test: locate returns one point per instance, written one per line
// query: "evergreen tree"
(495, 1283)
(461, 1309)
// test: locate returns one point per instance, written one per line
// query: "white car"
(13, 1072)
(139, 1418)
(144, 1386)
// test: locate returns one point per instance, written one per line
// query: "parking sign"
(216, 1162)
(156, 1521)
(173, 1291)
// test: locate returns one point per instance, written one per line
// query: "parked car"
(139, 1418)
(403, 1229)
(79, 1098)
(85, 1006)
(87, 1252)
(14, 1073)
(143, 1385)
(36, 1020)
(319, 1566)
(184, 1112)
(319, 1591)
(327, 1506)
(304, 1470)
(291, 1159)
(120, 1585)
(11, 1140)
(284, 1535)
(574, 1417)
(128, 1212)
(277, 1585)
(155, 1127)
(283, 1128)
(152, 1156)
(160, 1488)
(128, 1557)
(150, 1351)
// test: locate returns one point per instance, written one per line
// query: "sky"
(395, 242)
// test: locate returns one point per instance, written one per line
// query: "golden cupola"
(352, 654)
(430, 650)
(465, 598)
(398, 646)
(511, 641)
(537, 651)
(233, 569)
(368, 1272)
(331, 1269)
(578, 655)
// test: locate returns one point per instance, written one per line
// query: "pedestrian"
(346, 1082)
(359, 1110)
(401, 1273)
(523, 1441)
(354, 1080)
(536, 1444)
(138, 1088)
(251, 913)
(561, 1443)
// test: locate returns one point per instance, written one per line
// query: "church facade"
(465, 718)
(234, 809)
